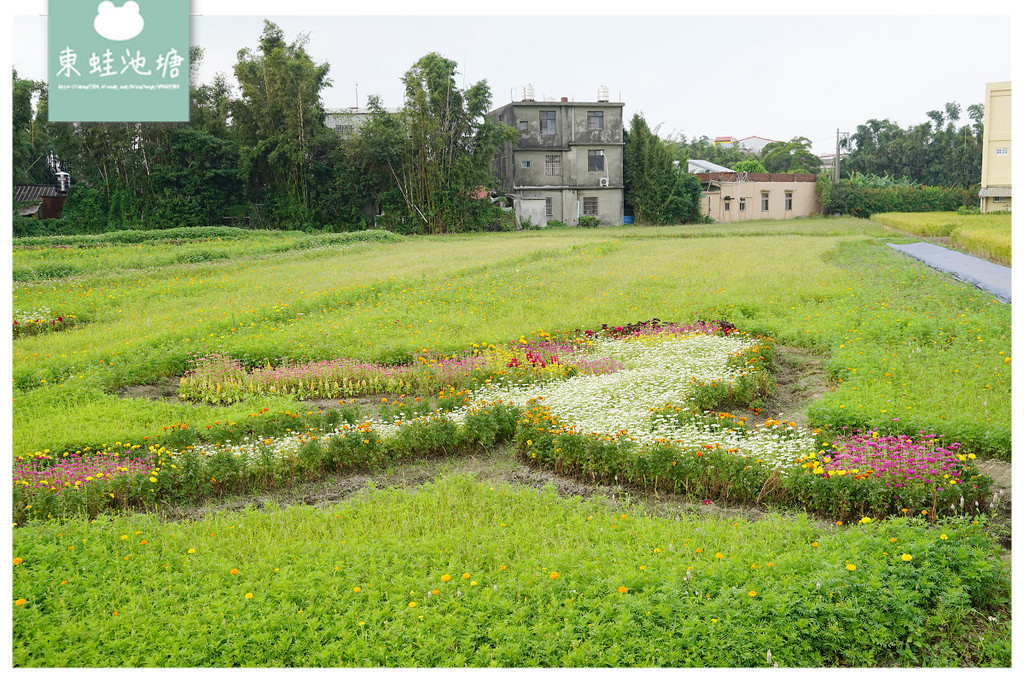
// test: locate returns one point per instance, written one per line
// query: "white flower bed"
(658, 370)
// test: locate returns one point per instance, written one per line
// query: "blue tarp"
(983, 274)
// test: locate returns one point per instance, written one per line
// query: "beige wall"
(804, 201)
(997, 150)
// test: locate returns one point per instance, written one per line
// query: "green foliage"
(749, 166)
(794, 156)
(276, 120)
(935, 152)
(656, 190)
(446, 152)
(860, 199)
(523, 578)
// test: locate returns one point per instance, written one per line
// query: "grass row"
(900, 340)
(469, 573)
(984, 235)
(57, 257)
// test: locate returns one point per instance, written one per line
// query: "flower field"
(326, 361)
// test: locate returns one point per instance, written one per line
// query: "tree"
(794, 156)
(30, 145)
(658, 191)
(935, 152)
(277, 116)
(749, 166)
(450, 145)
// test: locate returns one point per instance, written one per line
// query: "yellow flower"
(472, 583)
(623, 589)
(851, 567)
(719, 556)
(356, 589)
(446, 577)
(553, 575)
(191, 551)
(17, 560)
(944, 537)
(233, 572)
(20, 601)
(466, 575)
(906, 557)
(124, 537)
(248, 595)
(752, 594)
(412, 604)
(865, 520)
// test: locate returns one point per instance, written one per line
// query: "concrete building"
(569, 154)
(347, 122)
(753, 144)
(996, 160)
(730, 197)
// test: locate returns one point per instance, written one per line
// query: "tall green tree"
(794, 156)
(276, 119)
(658, 191)
(451, 143)
(30, 146)
(939, 151)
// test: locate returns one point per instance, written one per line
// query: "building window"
(549, 210)
(764, 201)
(999, 199)
(344, 129)
(726, 204)
(1002, 151)
(547, 123)
(552, 164)
(525, 163)
(595, 160)
(595, 120)
(524, 126)
(743, 203)
(590, 206)
(789, 201)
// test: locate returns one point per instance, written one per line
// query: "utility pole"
(835, 161)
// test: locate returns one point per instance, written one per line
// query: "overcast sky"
(773, 76)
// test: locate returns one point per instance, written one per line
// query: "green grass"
(984, 235)
(533, 580)
(899, 340)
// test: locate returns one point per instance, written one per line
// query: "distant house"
(41, 201)
(753, 144)
(731, 196)
(347, 122)
(724, 141)
(567, 160)
(996, 160)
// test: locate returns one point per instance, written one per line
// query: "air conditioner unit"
(604, 182)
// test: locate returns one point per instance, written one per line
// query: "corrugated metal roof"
(32, 193)
(995, 192)
(709, 166)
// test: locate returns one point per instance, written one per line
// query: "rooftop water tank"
(528, 93)
(602, 93)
